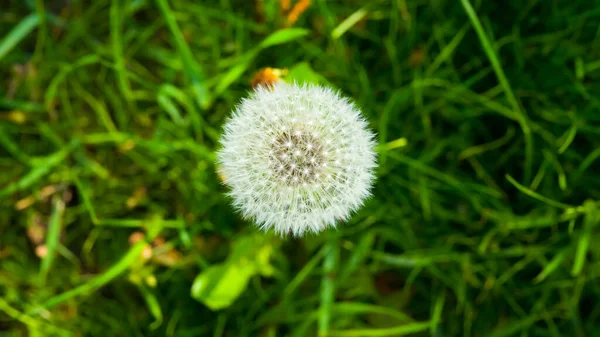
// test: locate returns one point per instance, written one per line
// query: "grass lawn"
(484, 216)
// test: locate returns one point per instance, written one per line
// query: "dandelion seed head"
(291, 174)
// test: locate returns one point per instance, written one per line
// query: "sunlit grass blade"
(52, 239)
(348, 23)
(131, 257)
(592, 218)
(436, 315)
(17, 34)
(552, 265)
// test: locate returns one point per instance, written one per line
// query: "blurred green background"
(484, 218)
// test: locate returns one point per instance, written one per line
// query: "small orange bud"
(135, 237)
(297, 10)
(267, 76)
(41, 251)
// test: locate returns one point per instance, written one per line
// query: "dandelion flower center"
(297, 158)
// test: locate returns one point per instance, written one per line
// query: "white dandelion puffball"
(297, 158)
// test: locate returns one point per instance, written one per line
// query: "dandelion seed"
(280, 164)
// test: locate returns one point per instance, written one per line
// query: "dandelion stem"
(328, 283)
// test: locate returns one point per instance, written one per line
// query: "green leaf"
(219, 285)
(303, 73)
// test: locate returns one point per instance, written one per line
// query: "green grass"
(483, 221)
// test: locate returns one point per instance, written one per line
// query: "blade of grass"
(167, 104)
(54, 227)
(18, 33)
(20, 105)
(355, 308)
(116, 27)
(303, 274)
(592, 217)
(398, 97)
(436, 315)
(99, 107)
(155, 145)
(418, 258)
(394, 144)
(42, 167)
(167, 92)
(13, 148)
(359, 254)
(42, 29)
(445, 53)
(192, 68)
(511, 328)
(586, 163)
(283, 36)
(137, 223)
(497, 66)
(126, 223)
(401, 330)
(29, 321)
(479, 149)
(153, 305)
(538, 196)
(348, 23)
(552, 265)
(568, 139)
(446, 178)
(86, 199)
(52, 89)
(131, 257)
